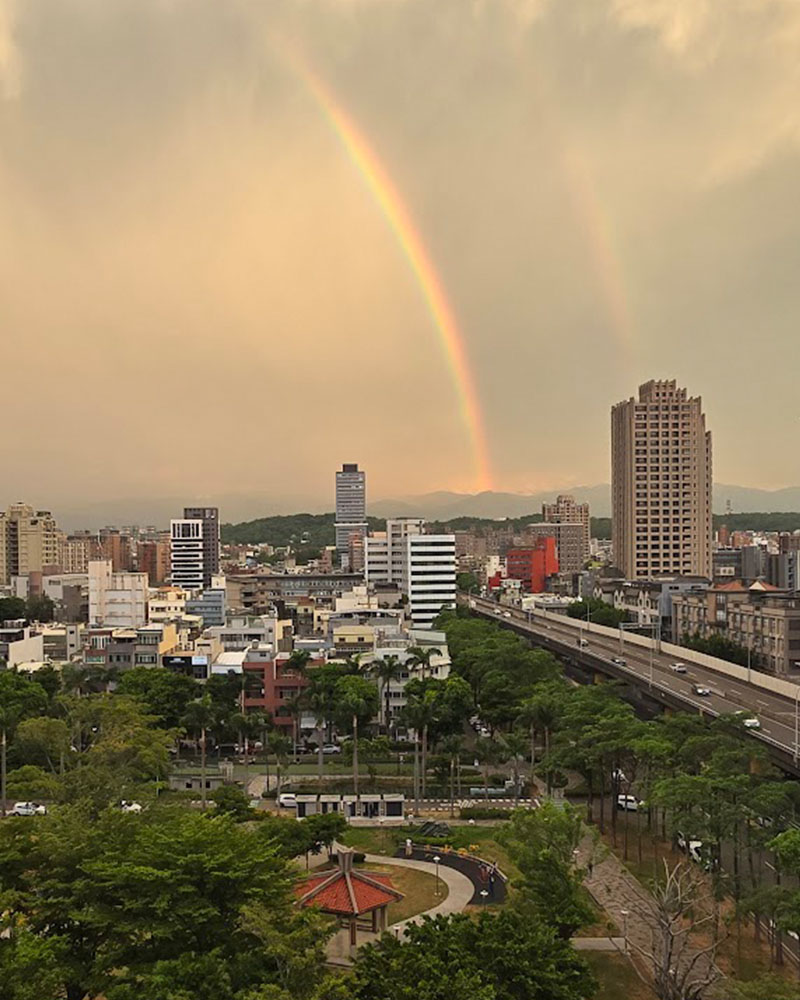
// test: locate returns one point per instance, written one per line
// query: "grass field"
(616, 977)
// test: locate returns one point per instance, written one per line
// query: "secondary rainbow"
(402, 225)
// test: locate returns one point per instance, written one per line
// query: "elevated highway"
(647, 665)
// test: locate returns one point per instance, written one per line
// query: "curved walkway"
(459, 887)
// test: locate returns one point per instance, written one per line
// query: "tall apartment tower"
(210, 518)
(29, 542)
(566, 511)
(661, 483)
(351, 508)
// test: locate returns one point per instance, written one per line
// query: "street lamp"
(796, 721)
(484, 895)
(436, 860)
(624, 915)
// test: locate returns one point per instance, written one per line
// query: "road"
(651, 669)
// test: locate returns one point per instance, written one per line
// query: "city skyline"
(281, 208)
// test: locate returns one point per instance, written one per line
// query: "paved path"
(459, 887)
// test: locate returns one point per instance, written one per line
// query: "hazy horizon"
(203, 297)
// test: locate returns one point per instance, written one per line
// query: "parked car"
(287, 800)
(629, 803)
(28, 809)
(704, 692)
(130, 807)
(690, 846)
(330, 748)
(678, 668)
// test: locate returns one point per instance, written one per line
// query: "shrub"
(485, 812)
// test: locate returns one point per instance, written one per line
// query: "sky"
(201, 294)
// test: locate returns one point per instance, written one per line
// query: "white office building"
(116, 600)
(423, 566)
(187, 553)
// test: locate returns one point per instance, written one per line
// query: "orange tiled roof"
(350, 893)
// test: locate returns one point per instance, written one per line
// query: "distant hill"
(441, 505)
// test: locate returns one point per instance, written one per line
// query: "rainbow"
(397, 215)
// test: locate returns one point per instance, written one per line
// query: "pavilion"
(351, 895)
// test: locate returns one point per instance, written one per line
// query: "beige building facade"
(758, 617)
(565, 510)
(29, 542)
(661, 484)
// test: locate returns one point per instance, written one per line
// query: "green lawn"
(616, 977)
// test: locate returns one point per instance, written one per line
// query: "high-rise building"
(423, 566)
(570, 538)
(153, 558)
(186, 553)
(29, 542)
(210, 518)
(351, 508)
(661, 483)
(566, 511)
(194, 547)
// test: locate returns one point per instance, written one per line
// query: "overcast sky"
(199, 294)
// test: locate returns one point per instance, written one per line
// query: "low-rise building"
(758, 617)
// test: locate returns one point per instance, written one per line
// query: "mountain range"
(441, 505)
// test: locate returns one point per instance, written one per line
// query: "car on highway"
(583, 643)
(287, 800)
(698, 689)
(749, 721)
(678, 668)
(330, 748)
(619, 661)
(506, 614)
(28, 809)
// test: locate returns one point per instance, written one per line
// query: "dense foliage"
(717, 645)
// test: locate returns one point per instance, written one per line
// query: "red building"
(533, 565)
(281, 682)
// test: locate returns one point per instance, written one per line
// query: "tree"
(679, 914)
(387, 669)
(767, 987)
(154, 905)
(502, 957)
(232, 801)
(164, 694)
(488, 752)
(19, 698)
(468, 582)
(421, 656)
(43, 741)
(597, 611)
(278, 744)
(356, 703)
(542, 843)
(12, 609)
(39, 609)
(199, 716)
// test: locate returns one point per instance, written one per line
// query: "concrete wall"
(775, 685)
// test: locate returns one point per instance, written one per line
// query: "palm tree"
(199, 717)
(421, 656)
(279, 744)
(419, 713)
(294, 706)
(516, 744)
(317, 702)
(357, 699)
(488, 752)
(386, 670)
(452, 748)
(529, 717)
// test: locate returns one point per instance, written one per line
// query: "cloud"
(10, 70)
(215, 296)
